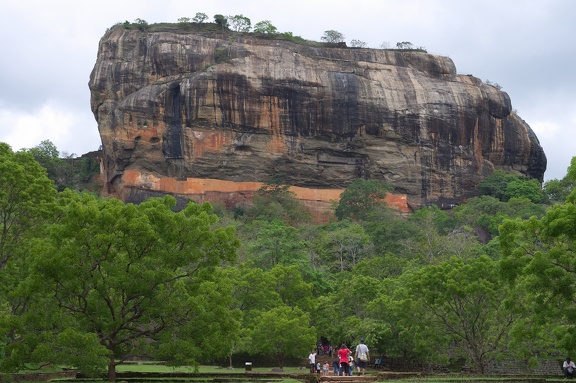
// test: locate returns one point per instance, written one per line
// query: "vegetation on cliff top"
(230, 25)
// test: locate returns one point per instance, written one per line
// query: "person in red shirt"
(343, 354)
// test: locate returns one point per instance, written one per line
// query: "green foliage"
(465, 299)
(200, 18)
(265, 27)
(72, 173)
(239, 23)
(27, 204)
(26, 197)
(140, 24)
(275, 243)
(295, 39)
(539, 257)
(257, 292)
(488, 213)
(131, 274)
(332, 36)
(403, 328)
(361, 198)
(437, 238)
(344, 244)
(221, 21)
(274, 201)
(504, 186)
(88, 281)
(389, 231)
(404, 45)
(221, 55)
(284, 332)
(558, 191)
(357, 43)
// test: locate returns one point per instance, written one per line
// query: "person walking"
(343, 354)
(336, 364)
(362, 356)
(312, 359)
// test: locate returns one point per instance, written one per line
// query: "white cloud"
(50, 122)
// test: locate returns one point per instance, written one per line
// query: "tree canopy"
(89, 282)
(332, 36)
(126, 275)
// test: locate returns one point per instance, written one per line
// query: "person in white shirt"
(569, 368)
(312, 359)
(362, 356)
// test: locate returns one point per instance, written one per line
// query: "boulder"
(211, 115)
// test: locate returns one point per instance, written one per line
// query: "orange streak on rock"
(319, 201)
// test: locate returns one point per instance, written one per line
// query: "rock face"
(211, 116)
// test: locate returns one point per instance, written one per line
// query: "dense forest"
(90, 282)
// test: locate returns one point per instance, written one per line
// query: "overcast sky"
(526, 46)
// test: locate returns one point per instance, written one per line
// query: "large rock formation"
(211, 115)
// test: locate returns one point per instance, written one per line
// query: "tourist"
(362, 356)
(312, 359)
(343, 354)
(568, 367)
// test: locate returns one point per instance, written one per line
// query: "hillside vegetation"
(91, 282)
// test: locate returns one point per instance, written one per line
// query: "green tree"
(487, 213)
(48, 156)
(466, 301)
(434, 237)
(504, 186)
(403, 323)
(345, 243)
(274, 201)
(65, 171)
(389, 231)
(221, 21)
(525, 188)
(239, 23)
(291, 287)
(357, 43)
(27, 203)
(257, 292)
(265, 27)
(275, 243)
(200, 18)
(557, 191)
(132, 276)
(404, 45)
(284, 332)
(26, 198)
(361, 198)
(141, 24)
(538, 256)
(332, 36)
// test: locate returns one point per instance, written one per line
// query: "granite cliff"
(211, 115)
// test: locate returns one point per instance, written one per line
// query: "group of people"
(344, 362)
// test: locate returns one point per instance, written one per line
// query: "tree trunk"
(112, 370)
